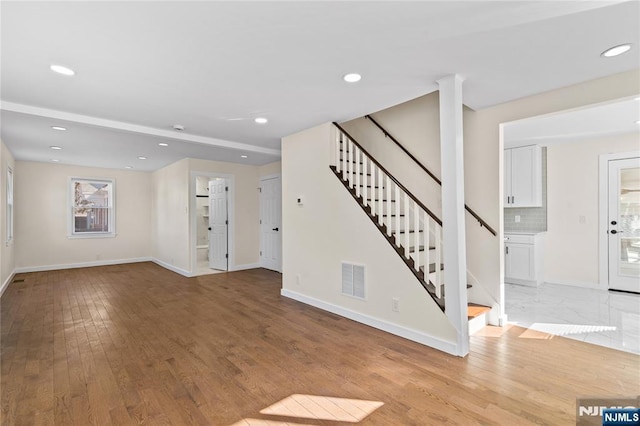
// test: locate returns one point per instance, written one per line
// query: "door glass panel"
(629, 222)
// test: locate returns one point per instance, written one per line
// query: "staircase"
(414, 231)
(411, 229)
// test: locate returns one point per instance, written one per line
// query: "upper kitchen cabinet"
(523, 177)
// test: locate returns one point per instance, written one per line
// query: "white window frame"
(10, 213)
(71, 206)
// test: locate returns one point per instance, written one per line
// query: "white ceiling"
(597, 121)
(214, 66)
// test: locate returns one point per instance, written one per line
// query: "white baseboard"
(407, 333)
(81, 264)
(244, 267)
(172, 268)
(6, 283)
(580, 284)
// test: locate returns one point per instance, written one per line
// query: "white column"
(454, 240)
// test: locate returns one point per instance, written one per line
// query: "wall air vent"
(353, 280)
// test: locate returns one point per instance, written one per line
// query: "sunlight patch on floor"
(323, 408)
(542, 330)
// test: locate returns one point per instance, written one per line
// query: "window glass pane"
(92, 194)
(91, 219)
(92, 209)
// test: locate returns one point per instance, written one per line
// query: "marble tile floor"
(600, 317)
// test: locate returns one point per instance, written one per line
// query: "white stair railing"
(408, 225)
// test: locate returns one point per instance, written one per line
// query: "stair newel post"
(397, 218)
(407, 226)
(357, 164)
(416, 235)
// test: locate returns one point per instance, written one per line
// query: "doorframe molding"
(260, 179)
(230, 216)
(603, 203)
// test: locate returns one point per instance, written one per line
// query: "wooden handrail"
(438, 181)
(401, 186)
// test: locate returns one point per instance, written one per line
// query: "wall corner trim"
(172, 268)
(6, 283)
(244, 267)
(397, 330)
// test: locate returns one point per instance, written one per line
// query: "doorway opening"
(212, 212)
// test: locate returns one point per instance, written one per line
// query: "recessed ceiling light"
(616, 50)
(128, 167)
(352, 77)
(55, 160)
(178, 127)
(62, 70)
(59, 128)
(163, 144)
(142, 158)
(244, 156)
(55, 147)
(637, 121)
(261, 120)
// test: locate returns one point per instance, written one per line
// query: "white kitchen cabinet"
(523, 259)
(523, 176)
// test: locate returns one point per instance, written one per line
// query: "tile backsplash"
(532, 219)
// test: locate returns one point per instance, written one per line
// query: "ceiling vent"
(353, 280)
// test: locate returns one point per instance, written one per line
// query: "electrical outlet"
(298, 279)
(582, 220)
(395, 304)
(517, 218)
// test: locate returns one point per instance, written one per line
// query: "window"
(92, 212)
(9, 205)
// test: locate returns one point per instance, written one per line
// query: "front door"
(218, 224)
(624, 224)
(271, 223)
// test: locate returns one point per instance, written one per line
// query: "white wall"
(270, 169)
(416, 125)
(7, 252)
(170, 236)
(42, 217)
(330, 228)
(571, 247)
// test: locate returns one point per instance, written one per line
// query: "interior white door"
(624, 224)
(218, 225)
(271, 224)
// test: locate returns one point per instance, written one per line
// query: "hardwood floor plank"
(137, 344)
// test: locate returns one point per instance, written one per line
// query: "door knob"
(275, 229)
(613, 231)
(209, 228)
(613, 222)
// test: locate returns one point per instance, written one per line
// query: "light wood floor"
(137, 344)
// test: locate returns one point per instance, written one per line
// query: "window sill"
(90, 235)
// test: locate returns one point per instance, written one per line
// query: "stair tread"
(411, 231)
(474, 310)
(392, 215)
(370, 199)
